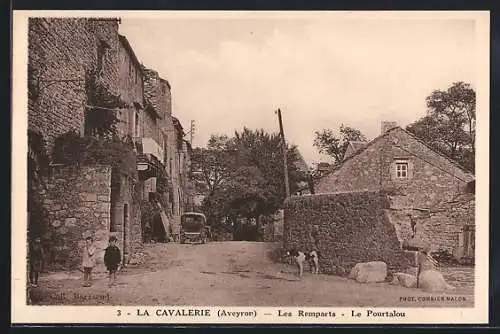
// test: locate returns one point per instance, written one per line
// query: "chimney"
(386, 126)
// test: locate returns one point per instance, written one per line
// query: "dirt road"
(231, 274)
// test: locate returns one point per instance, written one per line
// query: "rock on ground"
(432, 281)
(339, 270)
(137, 258)
(369, 272)
(403, 279)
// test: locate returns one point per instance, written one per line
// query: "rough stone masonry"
(60, 52)
(78, 202)
(346, 228)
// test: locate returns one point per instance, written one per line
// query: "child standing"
(112, 259)
(88, 261)
(36, 259)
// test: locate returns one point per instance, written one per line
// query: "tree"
(450, 124)
(264, 151)
(244, 175)
(457, 107)
(329, 144)
(211, 165)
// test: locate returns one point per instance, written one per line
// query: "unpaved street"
(226, 273)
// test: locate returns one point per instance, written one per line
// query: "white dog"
(312, 259)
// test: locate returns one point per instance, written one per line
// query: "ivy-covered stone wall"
(60, 53)
(345, 228)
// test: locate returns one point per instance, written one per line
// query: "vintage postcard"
(250, 167)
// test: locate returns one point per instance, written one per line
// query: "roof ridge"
(361, 150)
(439, 153)
(356, 153)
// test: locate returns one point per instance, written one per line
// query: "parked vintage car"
(194, 228)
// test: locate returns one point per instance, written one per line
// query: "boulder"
(403, 279)
(415, 244)
(369, 272)
(433, 281)
(339, 270)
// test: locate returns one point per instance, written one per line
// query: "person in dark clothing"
(36, 258)
(112, 259)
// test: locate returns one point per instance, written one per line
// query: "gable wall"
(432, 178)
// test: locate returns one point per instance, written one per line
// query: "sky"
(227, 73)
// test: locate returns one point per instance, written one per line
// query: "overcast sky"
(229, 73)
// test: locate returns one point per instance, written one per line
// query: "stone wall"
(78, 203)
(432, 177)
(155, 90)
(346, 228)
(131, 88)
(131, 78)
(268, 232)
(402, 224)
(60, 50)
(441, 229)
(174, 167)
(150, 128)
(166, 96)
(125, 216)
(278, 225)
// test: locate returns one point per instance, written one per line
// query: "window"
(402, 170)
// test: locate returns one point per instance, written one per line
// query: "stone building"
(131, 90)
(157, 122)
(76, 66)
(301, 165)
(178, 153)
(61, 53)
(416, 177)
(187, 184)
(453, 223)
(66, 58)
(353, 147)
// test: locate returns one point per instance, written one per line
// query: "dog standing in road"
(311, 258)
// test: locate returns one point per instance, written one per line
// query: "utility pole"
(191, 132)
(283, 143)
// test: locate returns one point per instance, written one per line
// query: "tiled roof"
(301, 163)
(357, 145)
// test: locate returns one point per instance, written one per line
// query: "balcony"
(150, 146)
(149, 159)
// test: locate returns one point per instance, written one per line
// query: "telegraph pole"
(191, 132)
(283, 143)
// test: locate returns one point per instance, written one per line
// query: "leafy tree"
(450, 123)
(243, 176)
(328, 143)
(264, 151)
(211, 165)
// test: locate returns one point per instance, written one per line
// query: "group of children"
(112, 260)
